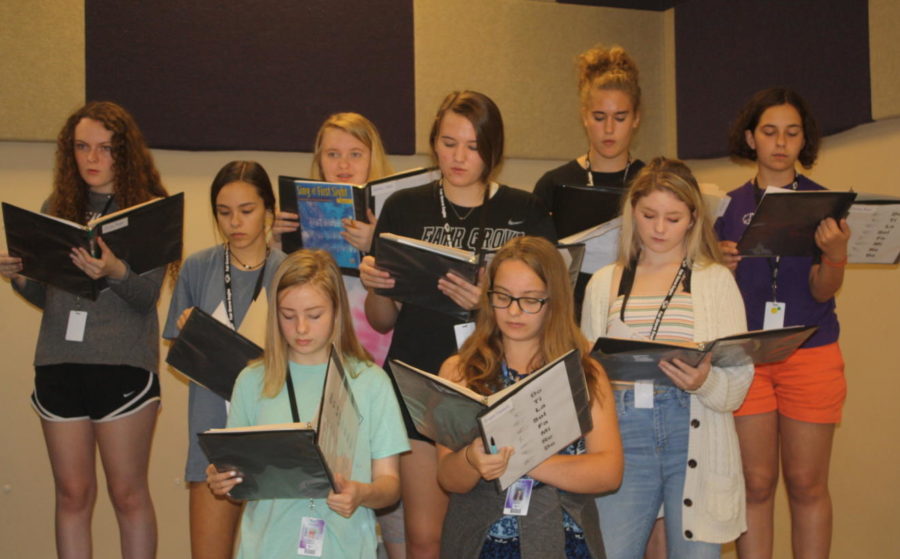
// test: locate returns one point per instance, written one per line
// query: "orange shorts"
(807, 386)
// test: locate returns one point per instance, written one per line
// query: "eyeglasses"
(530, 305)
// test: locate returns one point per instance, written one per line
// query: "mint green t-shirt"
(271, 527)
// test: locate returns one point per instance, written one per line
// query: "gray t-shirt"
(122, 327)
(201, 284)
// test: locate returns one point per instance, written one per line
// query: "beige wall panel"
(884, 57)
(669, 116)
(42, 67)
(521, 53)
(867, 443)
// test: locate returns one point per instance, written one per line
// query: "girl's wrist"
(834, 263)
(466, 454)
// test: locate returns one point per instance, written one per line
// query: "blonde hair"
(363, 130)
(314, 268)
(673, 176)
(602, 69)
(481, 356)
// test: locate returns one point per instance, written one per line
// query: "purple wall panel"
(726, 51)
(253, 74)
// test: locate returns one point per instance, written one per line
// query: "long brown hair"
(481, 356)
(136, 177)
(673, 176)
(315, 268)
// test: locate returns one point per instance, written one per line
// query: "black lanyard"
(774, 263)
(229, 298)
(291, 396)
(627, 281)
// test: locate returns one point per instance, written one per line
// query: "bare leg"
(70, 446)
(424, 502)
(395, 550)
(806, 455)
(125, 451)
(758, 435)
(656, 545)
(214, 522)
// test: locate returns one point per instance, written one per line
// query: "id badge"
(518, 497)
(774, 315)
(75, 326)
(312, 537)
(463, 331)
(643, 394)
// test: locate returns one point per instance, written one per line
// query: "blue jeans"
(655, 442)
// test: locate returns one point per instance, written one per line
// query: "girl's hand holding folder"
(221, 483)
(460, 291)
(373, 277)
(10, 266)
(108, 265)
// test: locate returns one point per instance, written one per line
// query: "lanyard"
(510, 375)
(295, 414)
(590, 173)
(628, 280)
(774, 263)
(229, 298)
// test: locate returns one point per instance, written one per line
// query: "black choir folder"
(785, 221)
(632, 360)
(576, 208)
(210, 353)
(292, 460)
(147, 236)
(371, 195)
(416, 267)
(538, 416)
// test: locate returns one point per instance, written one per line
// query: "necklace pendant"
(446, 228)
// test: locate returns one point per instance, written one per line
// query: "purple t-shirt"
(754, 275)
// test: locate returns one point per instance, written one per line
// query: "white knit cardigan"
(714, 485)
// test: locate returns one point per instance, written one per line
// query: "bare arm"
(383, 491)
(730, 256)
(827, 277)
(381, 311)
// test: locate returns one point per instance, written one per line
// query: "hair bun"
(599, 60)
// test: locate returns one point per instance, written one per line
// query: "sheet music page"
(874, 233)
(537, 422)
(338, 421)
(381, 191)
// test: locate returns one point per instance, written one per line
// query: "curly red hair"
(136, 177)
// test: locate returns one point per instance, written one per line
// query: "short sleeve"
(181, 299)
(244, 398)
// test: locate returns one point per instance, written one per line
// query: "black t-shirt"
(425, 338)
(574, 174)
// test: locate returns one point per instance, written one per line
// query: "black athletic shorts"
(71, 391)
